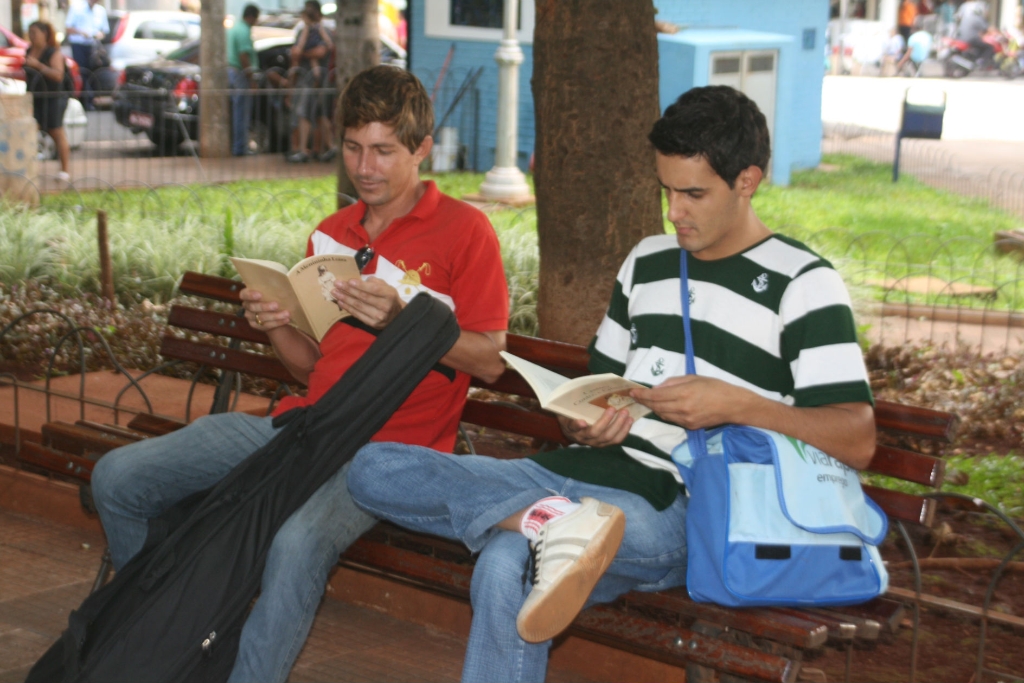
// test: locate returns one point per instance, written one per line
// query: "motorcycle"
(960, 58)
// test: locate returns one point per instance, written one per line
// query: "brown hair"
(392, 96)
(47, 29)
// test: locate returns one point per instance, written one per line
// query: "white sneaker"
(570, 556)
(64, 177)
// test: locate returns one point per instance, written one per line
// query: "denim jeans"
(463, 497)
(82, 54)
(137, 482)
(241, 110)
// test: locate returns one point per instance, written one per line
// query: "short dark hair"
(252, 11)
(718, 123)
(313, 7)
(389, 95)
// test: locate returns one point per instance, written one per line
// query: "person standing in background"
(242, 61)
(311, 75)
(45, 76)
(86, 24)
(905, 21)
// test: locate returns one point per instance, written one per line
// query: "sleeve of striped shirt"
(610, 346)
(819, 340)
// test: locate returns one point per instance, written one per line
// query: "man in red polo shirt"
(409, 238)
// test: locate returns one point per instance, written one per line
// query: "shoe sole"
(553, 610)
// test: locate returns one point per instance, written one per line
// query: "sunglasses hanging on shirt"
(364, 256)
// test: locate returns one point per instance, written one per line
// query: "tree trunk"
(595, 90)
(16, 18)
(214, 111)
(356, 48)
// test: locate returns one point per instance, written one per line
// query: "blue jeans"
(241, 110)
(135, 483)
(82, 54)
(463, 497)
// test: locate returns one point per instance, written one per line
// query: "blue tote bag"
(773, 521)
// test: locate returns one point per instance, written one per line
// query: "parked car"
(161, 98)
(138, 37)
(12, 59)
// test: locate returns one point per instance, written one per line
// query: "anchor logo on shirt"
(658, 368)
(760, 283)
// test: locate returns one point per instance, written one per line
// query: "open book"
(583, 398)
(305, 290)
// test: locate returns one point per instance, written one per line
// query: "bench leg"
(101, 576)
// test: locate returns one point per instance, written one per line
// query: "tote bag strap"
(698, 440)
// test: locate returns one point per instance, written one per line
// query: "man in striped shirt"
(774, 338)
(775, 347)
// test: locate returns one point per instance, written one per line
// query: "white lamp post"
(505, 181)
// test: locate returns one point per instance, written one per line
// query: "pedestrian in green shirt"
(241, 63)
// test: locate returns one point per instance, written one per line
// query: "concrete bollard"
(18, 149)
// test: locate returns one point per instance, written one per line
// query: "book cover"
(304, 289)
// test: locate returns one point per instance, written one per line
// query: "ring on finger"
(258, 321)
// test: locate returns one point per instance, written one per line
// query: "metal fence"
(926, 287)
(144, 130)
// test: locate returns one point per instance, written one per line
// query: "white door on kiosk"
(752, 72)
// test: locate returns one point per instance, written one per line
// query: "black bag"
(99, 58)
(175, 611)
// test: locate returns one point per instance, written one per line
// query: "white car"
(141, 36)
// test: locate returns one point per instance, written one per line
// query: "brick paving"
(47, 569)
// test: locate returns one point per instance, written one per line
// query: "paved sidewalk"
(48, 569)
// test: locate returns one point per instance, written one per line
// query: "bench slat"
(154, 425)
(867, 628)
(566, 359)
(673, 645)
(918, 422)
(225, 358)
(763, 623)
(908, 466)
(903, 506)
(887, 613)
(57, 461)
(113, 430)
(211, 287)
(505, 418)
(226, 324)
(81, 441)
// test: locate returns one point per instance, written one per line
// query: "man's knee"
(113, 475)
(377, 463)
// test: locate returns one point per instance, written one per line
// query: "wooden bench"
(756, 644)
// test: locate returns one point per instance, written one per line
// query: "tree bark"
(214, 110)
(595, 90)
(16, 18)
(356, 48)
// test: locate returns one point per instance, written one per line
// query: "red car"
(12, 59)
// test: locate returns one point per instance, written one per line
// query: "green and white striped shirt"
(774, 319)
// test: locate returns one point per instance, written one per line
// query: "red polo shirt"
(444, 247)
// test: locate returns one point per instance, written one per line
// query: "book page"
(313, 279)
(586, 398)
(271, 280)
(541, 380)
